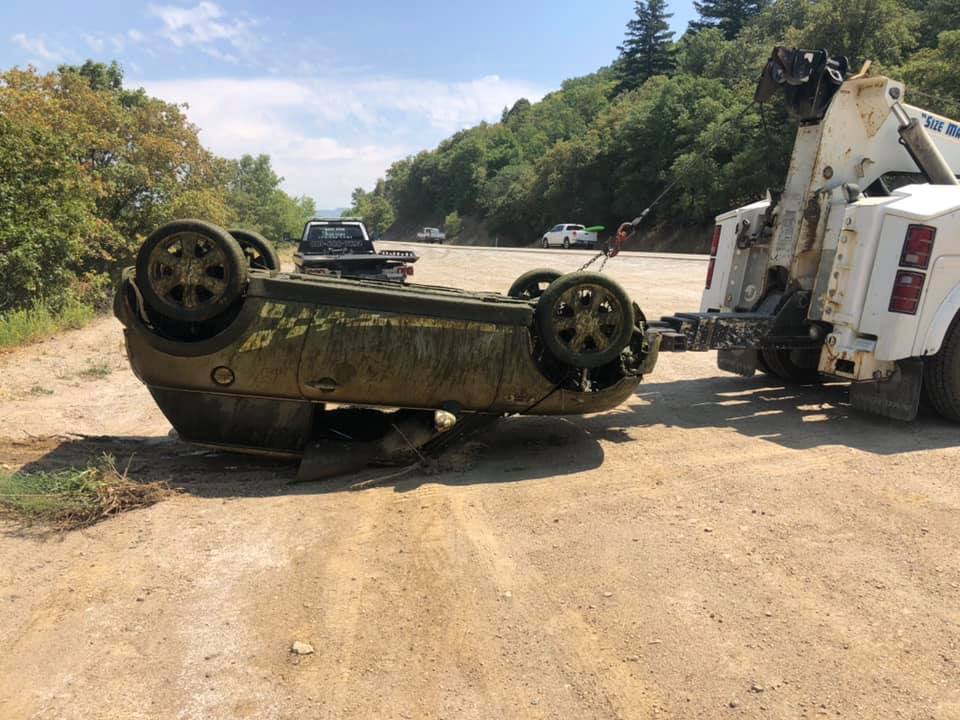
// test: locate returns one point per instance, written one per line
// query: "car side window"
(557, 228)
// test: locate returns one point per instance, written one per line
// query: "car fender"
(941, 322)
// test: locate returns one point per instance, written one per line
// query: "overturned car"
(257, 360)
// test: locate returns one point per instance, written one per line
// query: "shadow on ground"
(520, 449)
(796, 417)
(511, 450)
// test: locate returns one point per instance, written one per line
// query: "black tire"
(531, 284)
(566, 243)
(941, 375)
(585, 319)
(190, 271)
(792, 366)
(545, 243)
(259, 251)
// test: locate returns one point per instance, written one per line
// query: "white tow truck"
(845, 273)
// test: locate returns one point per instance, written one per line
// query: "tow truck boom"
(816, 279)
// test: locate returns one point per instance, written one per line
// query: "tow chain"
(629, 228)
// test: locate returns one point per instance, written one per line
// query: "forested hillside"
(88, 168)
(601, 148)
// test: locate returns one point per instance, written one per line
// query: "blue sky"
(334, 92)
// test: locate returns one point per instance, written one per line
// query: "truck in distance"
(341, 247)
(431, 235)
(567, 235)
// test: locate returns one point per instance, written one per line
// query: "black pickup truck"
(340, 247)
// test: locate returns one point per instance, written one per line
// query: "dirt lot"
(714, 548)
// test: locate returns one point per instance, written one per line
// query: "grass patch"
(74, 498)
(94, 372)
(20, 327)
(38, 390)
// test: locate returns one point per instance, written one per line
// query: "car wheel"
(585, 319)
(258, 250)
(941, 375)
(545, 243)
(566, 243)
(190, 271)
(531, 285)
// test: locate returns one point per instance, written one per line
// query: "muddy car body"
(264, 370)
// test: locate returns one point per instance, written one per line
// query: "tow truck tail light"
(714, 247)
(907, 289)
(918, 247)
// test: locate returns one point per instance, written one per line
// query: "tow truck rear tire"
(941, 375)
(782, 363)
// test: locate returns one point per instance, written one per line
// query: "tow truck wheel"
(190, 271)
(260, 253)
(585, 319)
(941, 375)
(797, 367)
(531, 285)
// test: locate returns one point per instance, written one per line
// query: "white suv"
(566, 235)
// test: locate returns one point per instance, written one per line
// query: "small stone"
(608, 594)
(633, 658)
(302, 648)
(733, 704)
(756, 688)
(708, 529)
(508, 595)
(535, 701)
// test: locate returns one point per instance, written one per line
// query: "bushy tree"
(933, 72)
(452, 225)
(730, 16)
(879, 30)
(255, 201)
(47, 199)
(374, 208)
(646, 50)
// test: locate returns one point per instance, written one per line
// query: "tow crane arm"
(853, 131)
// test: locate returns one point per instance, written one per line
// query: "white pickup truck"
(566, 235)
(431, 235)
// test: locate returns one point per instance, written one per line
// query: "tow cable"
(629, 228)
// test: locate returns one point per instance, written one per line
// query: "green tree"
(47, 199)
(375, 209)
(255, 200)
(452, 225)
(936, 16)
(646, 51)
(879, 30)
(933, 71)
(730, 16)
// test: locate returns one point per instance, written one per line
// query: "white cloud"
(204, 25)
(135, 35)
(328, 136)
(38, 48)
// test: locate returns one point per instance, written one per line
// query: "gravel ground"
(716, 547)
